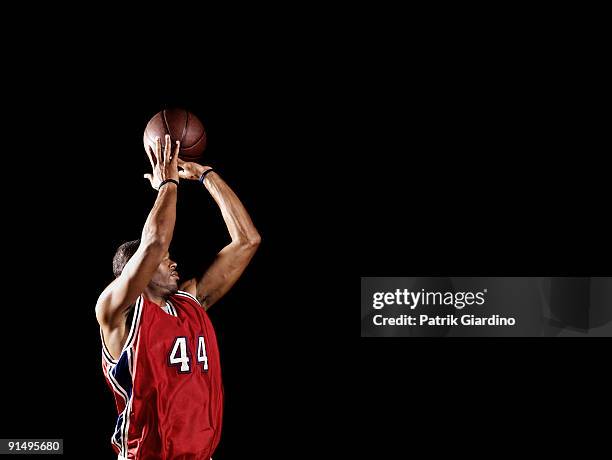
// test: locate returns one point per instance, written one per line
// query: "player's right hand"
(163, 162)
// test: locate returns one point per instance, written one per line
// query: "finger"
(151, 156)
(167, 149)
(158, 150)
(177, 148)
(149, 177)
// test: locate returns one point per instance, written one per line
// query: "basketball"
(182, 126)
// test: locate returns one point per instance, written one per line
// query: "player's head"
(165, 279)
(122, 256)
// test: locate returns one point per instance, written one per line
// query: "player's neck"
(155, 297)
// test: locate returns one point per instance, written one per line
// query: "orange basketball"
(182, 126)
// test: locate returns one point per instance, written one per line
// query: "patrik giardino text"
(443, 320)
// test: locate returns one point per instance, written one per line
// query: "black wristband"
(204, 175)
(165, 182)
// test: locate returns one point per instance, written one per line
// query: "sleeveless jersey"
(167, 383)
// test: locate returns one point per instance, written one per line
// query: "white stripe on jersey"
(109, 370)
(135, 324)
(118, 388)
(126, 421)
(127, 348)
(186, 294)
(113, 439)
(172, 309)
(105, 351)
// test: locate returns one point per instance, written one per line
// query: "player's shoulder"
(184, 296)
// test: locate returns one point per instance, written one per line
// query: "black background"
(483, 160)
(460, 158)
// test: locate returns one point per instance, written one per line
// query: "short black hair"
(123, 255)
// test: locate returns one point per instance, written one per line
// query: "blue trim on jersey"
(122, 373)
(105, 351)
(120, 376)
(116, 437)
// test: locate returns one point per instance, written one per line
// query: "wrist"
(208, 170)
(202, 169)
(168, 184)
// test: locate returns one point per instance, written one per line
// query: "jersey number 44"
(180, 356)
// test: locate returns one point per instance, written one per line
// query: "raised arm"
(233, 258)
(120, 294)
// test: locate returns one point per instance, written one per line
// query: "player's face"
(166, 277)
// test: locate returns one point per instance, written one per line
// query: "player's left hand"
(191, 171)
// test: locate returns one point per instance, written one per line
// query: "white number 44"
(202, 358)
(180, 354)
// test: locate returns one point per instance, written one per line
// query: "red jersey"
(167, 383)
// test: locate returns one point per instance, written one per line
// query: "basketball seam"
(182, 148)
(166, 122)
(168, 129)
(199, 139)
(185, 127)
(192, 146)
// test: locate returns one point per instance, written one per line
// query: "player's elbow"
(109, 312)
(155, 244)
(153, 237)
(247, 243)
(253, 241)
(103, 313)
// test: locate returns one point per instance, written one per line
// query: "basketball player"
(159, 351)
